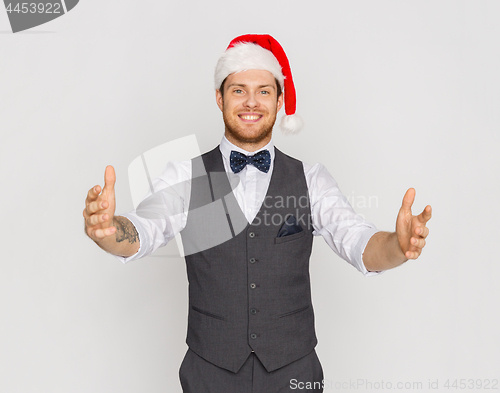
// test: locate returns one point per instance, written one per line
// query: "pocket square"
(290, 227)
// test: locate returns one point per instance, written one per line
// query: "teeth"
(253, 117)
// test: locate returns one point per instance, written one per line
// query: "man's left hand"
(410, 229)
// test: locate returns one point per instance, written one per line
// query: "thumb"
(408, 199)
(109, 179)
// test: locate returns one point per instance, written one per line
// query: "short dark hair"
(278, 87)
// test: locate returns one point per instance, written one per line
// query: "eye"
(237, 91)
(265, 92)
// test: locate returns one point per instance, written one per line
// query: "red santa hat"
(262, 52)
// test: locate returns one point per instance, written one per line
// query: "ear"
(218, 98)
(280, 102)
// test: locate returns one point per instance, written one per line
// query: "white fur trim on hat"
(247, 56)
(291, 124)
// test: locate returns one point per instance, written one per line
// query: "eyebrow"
(243, 85)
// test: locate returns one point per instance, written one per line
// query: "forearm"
(124, 242)
(383, 252)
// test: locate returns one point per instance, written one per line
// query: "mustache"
(247, 110)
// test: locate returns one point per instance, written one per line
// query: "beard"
(249, 136)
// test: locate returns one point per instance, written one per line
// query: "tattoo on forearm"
(125, 230)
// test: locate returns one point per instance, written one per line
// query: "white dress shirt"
(345, 231)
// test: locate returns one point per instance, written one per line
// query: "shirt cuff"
(363, 241)
(141, 232)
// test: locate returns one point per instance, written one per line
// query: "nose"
(251, 101)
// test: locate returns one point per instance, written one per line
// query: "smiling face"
(249, 107)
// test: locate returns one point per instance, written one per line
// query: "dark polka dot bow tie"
(261, 160)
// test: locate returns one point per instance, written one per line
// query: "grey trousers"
(200, 376)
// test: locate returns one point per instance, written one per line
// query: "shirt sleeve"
(162, 213)
(346, 232)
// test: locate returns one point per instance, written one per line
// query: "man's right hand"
(100, 209)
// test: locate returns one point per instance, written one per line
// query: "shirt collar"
(226, 147)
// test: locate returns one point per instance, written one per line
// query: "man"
(251, 321)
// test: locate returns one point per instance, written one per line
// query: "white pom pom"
(291, 124)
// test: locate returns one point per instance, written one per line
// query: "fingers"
(95, 214)
(425, 215)
(109, 178)
(422, 231)
(408, 199)
(419, 243)
(97, 225)
(102, 233)
(94, 207)
(412, 254)
(419, 231)
(97, 218)
(93, 194)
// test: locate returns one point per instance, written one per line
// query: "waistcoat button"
(253, 260)
(253, 286)
(251, 234)
(253, 336)
(253, 311)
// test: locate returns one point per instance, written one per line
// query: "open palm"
(411, 230)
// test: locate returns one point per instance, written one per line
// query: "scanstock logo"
(24, 15)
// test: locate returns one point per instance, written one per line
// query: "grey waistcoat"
(251, 291)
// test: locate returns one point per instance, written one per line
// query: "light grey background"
(395, 94)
